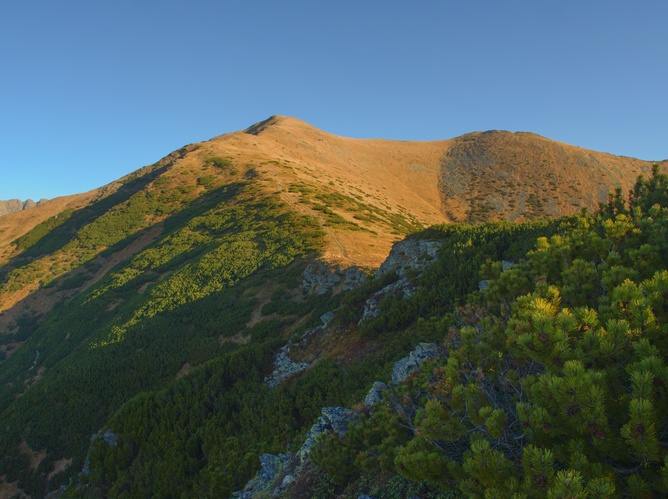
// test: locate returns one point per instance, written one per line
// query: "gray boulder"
(319, 278)
(409, 254)
(375, 394)
(284, 367)
(332, 419)
(271, 466)
(326, 318)
(404, 367)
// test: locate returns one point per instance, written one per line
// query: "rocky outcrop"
(404, 367)
(319, 278)
(283, 368)
(407, 257)
(332, 419)
(12, 205)
(279, 471)
(265, 480)
(402, 287)
(376, 393)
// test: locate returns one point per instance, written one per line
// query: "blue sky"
(94, 90)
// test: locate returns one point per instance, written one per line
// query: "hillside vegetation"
(153, 308)
(551, 381)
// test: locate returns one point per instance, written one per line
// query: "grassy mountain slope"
(197, 260)
(522, 176)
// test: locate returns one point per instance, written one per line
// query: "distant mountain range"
(185, 279)
(12, 205)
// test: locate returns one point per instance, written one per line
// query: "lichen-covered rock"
(110, 438)
(375, 394)
(352, 278)
(409, 254)
(284, 367)
(271, 466)
(326, 318)
(319, 278)
(278, 471)
(404, 287)
(269, 463)
(332, 419)
(287, 480)
(505, 265)
(404, 367)
(338, 418)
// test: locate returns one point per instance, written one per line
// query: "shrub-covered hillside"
(202, 435)
(551, 381)
(183, 300)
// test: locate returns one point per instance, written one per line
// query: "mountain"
(13, 205)
(521, 176)
(181, 281)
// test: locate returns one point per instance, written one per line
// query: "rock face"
(376, 393)
(320, 279)
(332, 419)
(406, 257)
(279, 471)
(272, 466)
(410, 255)
(404, 367)
(283, 368)
(13, 205)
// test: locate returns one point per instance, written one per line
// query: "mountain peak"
(274, 120)
(13, 205)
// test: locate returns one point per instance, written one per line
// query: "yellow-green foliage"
(552, 381)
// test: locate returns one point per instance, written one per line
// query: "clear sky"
(94, 90)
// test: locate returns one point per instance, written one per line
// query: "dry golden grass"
(520, 176)
(14, 225)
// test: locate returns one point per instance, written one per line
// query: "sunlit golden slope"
(519, 176)
(369, 193)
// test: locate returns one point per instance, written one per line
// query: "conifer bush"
(552, 382)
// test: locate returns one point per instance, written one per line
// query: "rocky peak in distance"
(12, 205)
